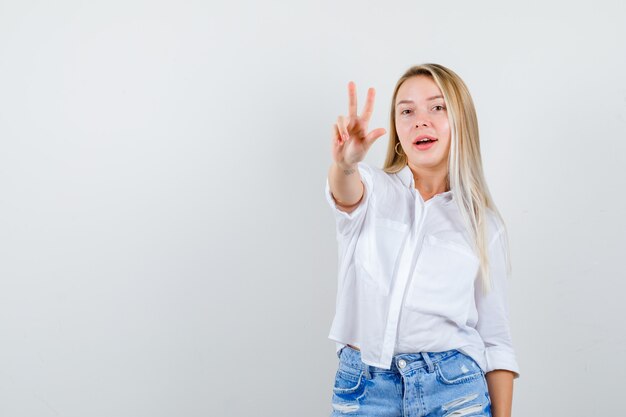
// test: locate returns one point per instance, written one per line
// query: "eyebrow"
(411, 101)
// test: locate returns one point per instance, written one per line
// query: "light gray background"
(165, 245)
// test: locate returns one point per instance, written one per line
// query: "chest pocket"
(443, 279)
(377, 251)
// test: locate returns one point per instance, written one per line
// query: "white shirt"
(409, 280)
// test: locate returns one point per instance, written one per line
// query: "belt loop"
(366, 371)
(339, 351)
(429, 362)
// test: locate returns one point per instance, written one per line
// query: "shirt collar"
(406, 177)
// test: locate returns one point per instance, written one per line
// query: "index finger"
(352, 99)
(369, 104)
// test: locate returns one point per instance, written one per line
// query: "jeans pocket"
(349, 383)
(457, 369)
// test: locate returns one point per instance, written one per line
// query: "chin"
(426, 162)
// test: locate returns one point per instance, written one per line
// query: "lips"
(421, 139)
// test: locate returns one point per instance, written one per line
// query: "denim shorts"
(442, 384)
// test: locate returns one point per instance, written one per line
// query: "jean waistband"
(400, 363)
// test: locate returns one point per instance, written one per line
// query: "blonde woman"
(421, 324)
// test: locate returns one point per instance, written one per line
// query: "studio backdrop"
(165, 245)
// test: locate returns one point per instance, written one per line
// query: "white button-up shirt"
(409, 279)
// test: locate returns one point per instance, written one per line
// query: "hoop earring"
(399, 154)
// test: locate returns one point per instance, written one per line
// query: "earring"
(400, 154)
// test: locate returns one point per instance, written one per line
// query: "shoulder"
(378, 175)
(368, 169)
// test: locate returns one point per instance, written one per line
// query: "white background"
(165, 245)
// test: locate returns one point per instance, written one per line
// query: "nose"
(422, 120)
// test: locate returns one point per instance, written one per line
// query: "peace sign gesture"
(350, 138)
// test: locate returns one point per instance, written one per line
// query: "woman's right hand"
(350, 138)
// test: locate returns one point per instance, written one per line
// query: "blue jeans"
(417, 385)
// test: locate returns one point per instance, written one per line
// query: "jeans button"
(401, 363)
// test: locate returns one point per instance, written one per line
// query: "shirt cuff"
(499, 358)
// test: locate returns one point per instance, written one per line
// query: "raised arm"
(349, 146)
(346, 186)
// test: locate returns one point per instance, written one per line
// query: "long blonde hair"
(465, 169)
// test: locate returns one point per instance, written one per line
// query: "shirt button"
(401, 363)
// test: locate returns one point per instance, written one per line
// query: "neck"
(429, 181)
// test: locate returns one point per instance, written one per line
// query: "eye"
(442, 107)
(404, 111)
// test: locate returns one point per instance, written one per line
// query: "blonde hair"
(465, 171)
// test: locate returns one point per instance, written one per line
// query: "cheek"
(402, 128)
(444, 129)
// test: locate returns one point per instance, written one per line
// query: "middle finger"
(369, 104)
(352, 99)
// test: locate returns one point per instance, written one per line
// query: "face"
(421, 110)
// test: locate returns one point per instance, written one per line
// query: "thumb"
(375, 134)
